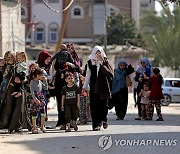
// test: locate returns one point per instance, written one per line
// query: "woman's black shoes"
(105, 125)
(118, 118)
(160, 119)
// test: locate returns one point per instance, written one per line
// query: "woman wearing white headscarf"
(99, 78)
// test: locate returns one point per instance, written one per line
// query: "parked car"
(171, 91)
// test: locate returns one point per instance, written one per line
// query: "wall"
(12, 28)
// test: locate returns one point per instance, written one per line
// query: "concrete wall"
(12, 29)
(146, 4)
(135, 13)
(123, 5)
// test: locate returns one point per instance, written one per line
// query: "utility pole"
(13, 43)
(105, 36)
(1, 52)
(63, 26)
(62, 30)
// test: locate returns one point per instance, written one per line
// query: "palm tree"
(161, 33)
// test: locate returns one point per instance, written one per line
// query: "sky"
(159, 8)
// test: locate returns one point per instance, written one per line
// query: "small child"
(144, 94)
(156, 93)
(38, 101)
(21, 69)
(70, 101)
(83, 103)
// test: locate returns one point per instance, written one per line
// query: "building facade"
(42, 22)
(86, 20)
(11, 29)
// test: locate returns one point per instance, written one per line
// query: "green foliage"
(165, 1)
(162, 35)
(120, 29)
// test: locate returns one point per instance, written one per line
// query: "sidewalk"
(125, 137)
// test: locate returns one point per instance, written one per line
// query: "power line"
(58, 10)
(17, 6)
(19, 2)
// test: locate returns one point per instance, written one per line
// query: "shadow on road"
(90, 144)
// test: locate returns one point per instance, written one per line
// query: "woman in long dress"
(10, 110)
(99, 78)
(120, 89)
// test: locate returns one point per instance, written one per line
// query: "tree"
(161, 33)
(165, 1)
(120, 28)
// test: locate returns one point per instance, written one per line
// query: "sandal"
(68, 130)
(43, 130)
(75, 127)
(35, 131)
(63, 127)
(97, 128)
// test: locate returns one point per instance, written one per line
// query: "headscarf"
(93, 57)
(119, 81)
(74, 54)
(41, 62)
(42, 57)
(148, 68)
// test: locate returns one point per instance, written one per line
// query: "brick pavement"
(126, 137)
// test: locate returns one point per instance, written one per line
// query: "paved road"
(125, 137)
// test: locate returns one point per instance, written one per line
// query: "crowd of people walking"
(25, 90)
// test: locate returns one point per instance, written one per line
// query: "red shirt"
(156, 90)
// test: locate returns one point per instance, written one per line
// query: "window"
(176, 84)
(111, 10)
(53, 32)
(168, 83)
(38, 1)
(53, 1)
(77, 12)
(172, 83)
(99, 1)
(23, 12)
(39, 33)
(144, 5)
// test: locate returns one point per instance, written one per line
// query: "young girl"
(38, 83)
(71, 100)
(156, 94)
(43, 60)
(144, 94)
(21, 69)
(32, 68)
(83, 103)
